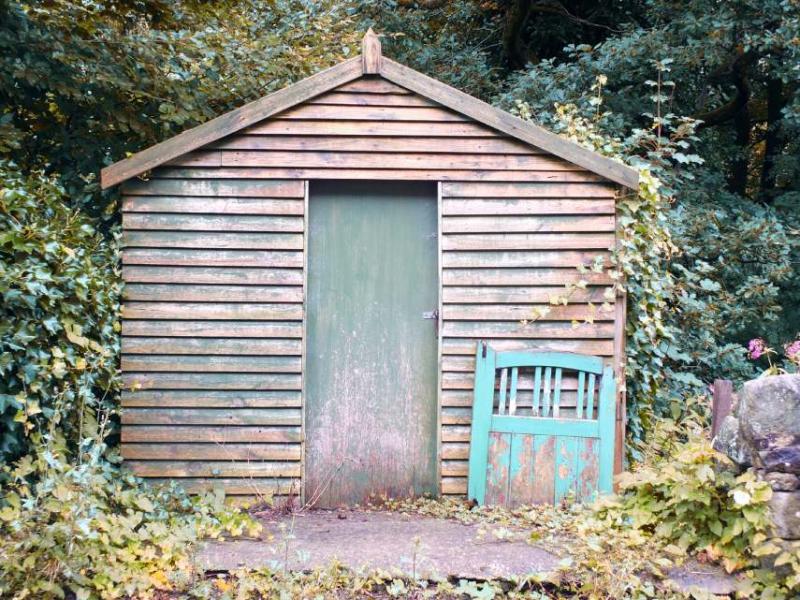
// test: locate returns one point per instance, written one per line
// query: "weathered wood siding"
(213, 261)
(212, 333)
(507, 249)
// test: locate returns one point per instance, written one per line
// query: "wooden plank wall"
(212, 333)
(214, 252)
(507, 250)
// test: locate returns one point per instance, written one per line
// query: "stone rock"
(729, 441)
(782, 482)
(768, 562)
(769, 413)
(783, 460)
(785, 509)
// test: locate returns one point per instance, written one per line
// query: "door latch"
(434, 315)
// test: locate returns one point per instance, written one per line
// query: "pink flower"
(756, 348)
(793, 351)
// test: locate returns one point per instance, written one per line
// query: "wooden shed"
(307, 278)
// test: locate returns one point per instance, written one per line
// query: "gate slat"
(502, 401)
(512, 402)
(590, 397)
(537, 385)
(579, 404)
(557, 393)
(546, 392)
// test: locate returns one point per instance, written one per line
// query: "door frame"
(303, 368)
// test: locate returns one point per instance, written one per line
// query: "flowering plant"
(757, 348)
(792, 352)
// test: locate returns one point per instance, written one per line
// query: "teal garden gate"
(542, 427)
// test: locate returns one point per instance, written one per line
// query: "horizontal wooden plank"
(457, 398)
(334, 127)
(386, 173)
(207, 310)
(521, 276)
(454, 468)
(203, 346)
(467, 346)
(535, 330)
(521, 294)
(200, 204)
(370, 160)
(252, 488)
(369, 113)
(209, 240)
(372, 85)
(370, 99)
(211, 381)
(213, 329)
(528, 241)
(215, 435)
(521, 190)
(270, 452)
(166, 292)
(215, 187)
(376, 143)
(510, 224)
(456, 416)
(523, 258)
(455, 433)
(520, 312)
(455, 451)
(533, 206)
(211, 416)
(178, 222)
(176, 468)
(211, 399)
(210, 364)
(454, 486)
(212, 258)
(213, 275)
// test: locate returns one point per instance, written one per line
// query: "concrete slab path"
(365, 541)
(409, 545)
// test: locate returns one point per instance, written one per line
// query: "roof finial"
(371, 53)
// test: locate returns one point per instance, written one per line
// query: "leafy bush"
(92, 530)
(692, 504)
(59, 279)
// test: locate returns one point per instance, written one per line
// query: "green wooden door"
(371, 355)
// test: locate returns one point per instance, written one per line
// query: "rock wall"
(765, 433)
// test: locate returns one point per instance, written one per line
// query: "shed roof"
(371, 64)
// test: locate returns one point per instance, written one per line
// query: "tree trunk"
(737, 180)
(773, 140)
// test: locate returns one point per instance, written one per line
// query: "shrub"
(59, 280)
(692, 503)
(92, 530)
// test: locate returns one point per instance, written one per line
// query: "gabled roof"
(370, 63)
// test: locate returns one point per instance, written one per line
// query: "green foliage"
(85, 527)
(59, 332)
(450, 41)
(84, 83)
(691, 503)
